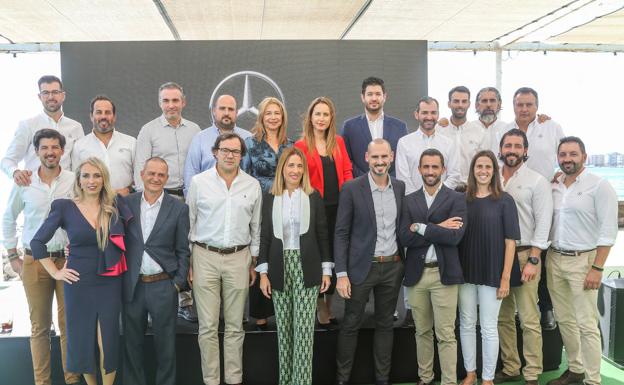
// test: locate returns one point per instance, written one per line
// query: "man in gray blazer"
(157, 251)
(369, 257)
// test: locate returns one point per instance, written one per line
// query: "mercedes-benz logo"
(247, 106)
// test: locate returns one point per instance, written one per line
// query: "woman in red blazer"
(329, 167)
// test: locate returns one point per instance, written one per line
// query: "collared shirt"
(375, 126)
(384, 202)
(408, 153)
(533, 197)
(474, 138)
(22, 149)
(223, 217)
(543, 143)
(200, 157)
(35, 201)
(585, 214)
(431, 253)
(118, 156)
(451, 131)
(149, 213)
(159, 138)
(291, 219)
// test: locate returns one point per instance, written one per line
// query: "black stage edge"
(260, 358)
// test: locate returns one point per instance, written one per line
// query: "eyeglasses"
(227, 151)
(46, 94)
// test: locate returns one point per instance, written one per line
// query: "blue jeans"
(469, 297)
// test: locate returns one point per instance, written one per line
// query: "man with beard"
(583, 230)
(458, 103)
(411, 146)
(360, 130)
(112, 147)
(200, 157)
(533, 198)
(52, 96)
(368, 259)
(168, 137)
(432, 225)
(49, 182)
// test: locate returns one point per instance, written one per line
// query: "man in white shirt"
(533, 198)
(224, 209)
(200, 156)
(583, 230)
(112, 147)
(48, 182)
(458, 103)
(52, 96)
(168, 136)
(412, 145)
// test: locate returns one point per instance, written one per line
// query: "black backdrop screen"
(131, 72)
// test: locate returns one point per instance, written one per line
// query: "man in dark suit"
(432, 225)
(368, 257)
(358, 131)
(157, 251)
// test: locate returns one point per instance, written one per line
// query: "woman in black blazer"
(294, 262)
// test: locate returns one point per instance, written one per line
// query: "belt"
(571, 253)
(386, 258)
(175, 191)
(523, 248)
(51, 254)
(221, 250)
(154, 277)
(431, 265)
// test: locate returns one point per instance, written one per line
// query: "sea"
(615, 176)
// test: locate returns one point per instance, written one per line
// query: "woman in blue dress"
(263, 152)
(94, 224)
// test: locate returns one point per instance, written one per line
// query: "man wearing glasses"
(52, 96)
(224, 209)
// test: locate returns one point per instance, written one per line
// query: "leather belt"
(523, 248)
(431, 265)
(221, 250)
(386, 258)
(571, 253)
(175, 191)
(154, 277)
(51, 254)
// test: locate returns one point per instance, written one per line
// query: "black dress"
(330, 199)
(482, 249)
(96, 297)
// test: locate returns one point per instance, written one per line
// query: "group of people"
(474, 217)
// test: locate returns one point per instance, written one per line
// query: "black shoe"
(328, 326)
(188, 313)
(501, 377)
(262, 327)
(548, 320)
(338, 382)
(408, 321)
(333, 321)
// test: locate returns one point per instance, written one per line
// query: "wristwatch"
(534, 260)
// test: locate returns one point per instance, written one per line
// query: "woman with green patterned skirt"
(294, 262)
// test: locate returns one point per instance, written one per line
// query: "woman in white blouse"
(294, 262)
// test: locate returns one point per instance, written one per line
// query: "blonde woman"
(263, 152)
(329, 167)
(294, 263)
(94, 224)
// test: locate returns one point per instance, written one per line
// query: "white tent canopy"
(447, 24)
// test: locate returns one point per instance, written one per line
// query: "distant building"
(615, 159)
(596, 160)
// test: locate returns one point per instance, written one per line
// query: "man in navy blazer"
(432, 225)
(360, 130)
(367, 255)
(157, 251)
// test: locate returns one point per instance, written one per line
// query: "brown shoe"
(502, 377)
(568, 378)
(531, 382)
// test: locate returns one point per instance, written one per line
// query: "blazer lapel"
(163, 214)
(365, 129)
(421, 202)
(368, 199)
(276, 216)
(304, 212)
(439, 199)
(135, 206)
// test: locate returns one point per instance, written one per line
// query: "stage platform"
(260, 351)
